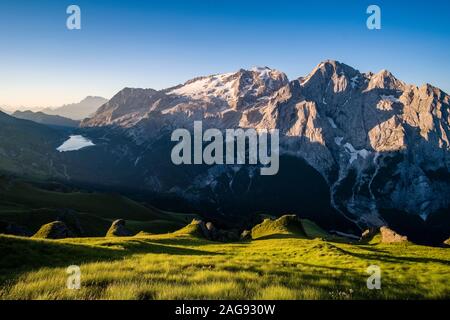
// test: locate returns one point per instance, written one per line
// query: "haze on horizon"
(160, 44)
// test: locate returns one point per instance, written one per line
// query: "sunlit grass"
(177, 266)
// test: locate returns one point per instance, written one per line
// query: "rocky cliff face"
(379, 143)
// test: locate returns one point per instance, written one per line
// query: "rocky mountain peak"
(385, 80)
(331, 68)
(329, 78)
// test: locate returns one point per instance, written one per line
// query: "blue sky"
(157, 44)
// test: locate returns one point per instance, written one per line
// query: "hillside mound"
(54, 230)
(207, 230)
(118, 229)
(192, 229)
(285, 225)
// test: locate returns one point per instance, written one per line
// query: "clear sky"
(157, 44)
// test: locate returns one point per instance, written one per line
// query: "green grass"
(312, 230)
(31, 207)
(288, 225)
(182, 266)
(192, 229)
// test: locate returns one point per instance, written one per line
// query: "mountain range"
(357, 149)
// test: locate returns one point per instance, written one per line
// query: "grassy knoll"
(288, 225)
(181, 265)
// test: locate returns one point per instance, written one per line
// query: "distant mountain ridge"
(43, 118)
(77, 111)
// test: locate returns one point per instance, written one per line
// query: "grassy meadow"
(181, 265)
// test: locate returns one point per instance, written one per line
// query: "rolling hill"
(86, 213)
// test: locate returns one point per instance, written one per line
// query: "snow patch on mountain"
(212, 86)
